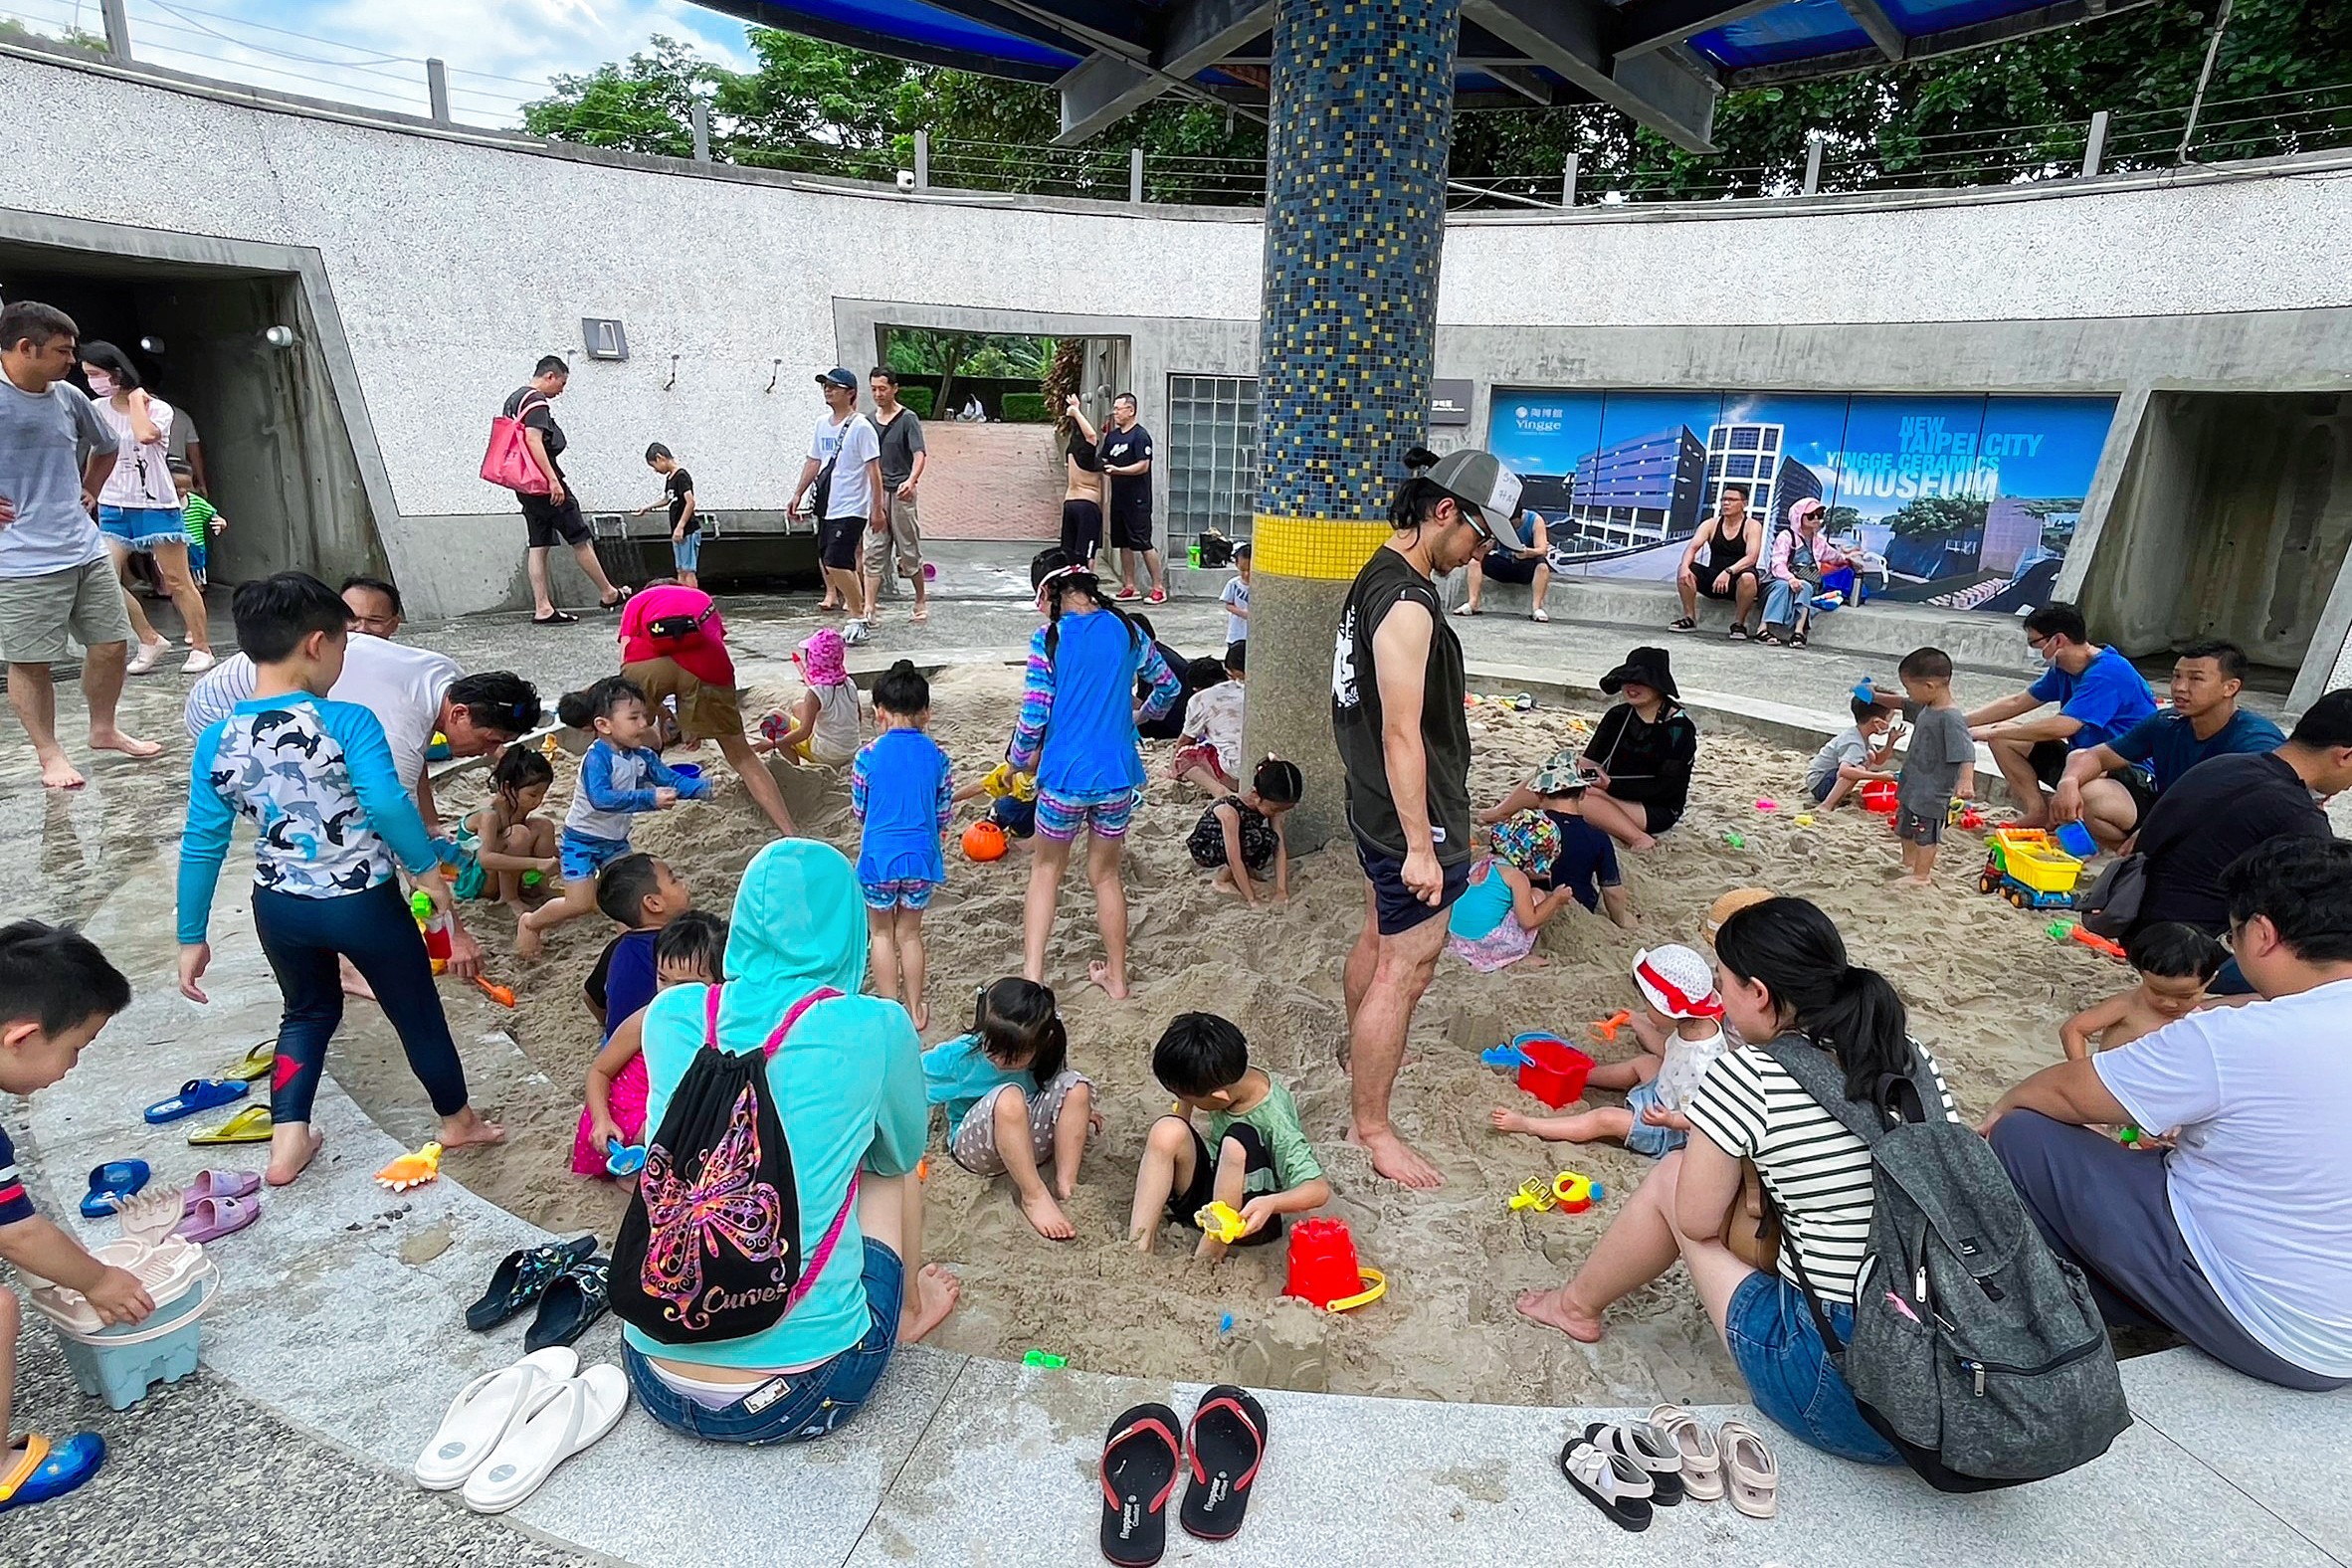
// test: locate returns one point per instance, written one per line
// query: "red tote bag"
(507, 463)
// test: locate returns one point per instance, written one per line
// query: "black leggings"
(1081, 529)
(303, 938)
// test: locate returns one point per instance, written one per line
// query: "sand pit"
(1986, 987)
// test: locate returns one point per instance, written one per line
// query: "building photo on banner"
(1962, 502)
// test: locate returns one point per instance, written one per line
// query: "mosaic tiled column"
(1361, 121)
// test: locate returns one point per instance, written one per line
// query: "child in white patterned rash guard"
(1014, 1105)
(1678, 988)
(620, 777)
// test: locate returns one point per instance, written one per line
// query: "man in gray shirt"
(893, 529)
(56, 578)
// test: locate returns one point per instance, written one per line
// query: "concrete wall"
(450, 261)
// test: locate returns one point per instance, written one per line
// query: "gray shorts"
(37, 614)
(2108, 1210)
(971, 1142)
(1918, 828)
(905, 537)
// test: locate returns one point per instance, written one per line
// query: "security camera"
(906, 179)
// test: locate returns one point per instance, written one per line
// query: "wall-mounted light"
(673, 381)
(775, 370)
(280, 338)
(151, 345)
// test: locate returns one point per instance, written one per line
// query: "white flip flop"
(1753, 1473)
(1702, 1460)
(583, 1410)
(485, 1410)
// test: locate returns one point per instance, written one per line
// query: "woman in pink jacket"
(1800, 553)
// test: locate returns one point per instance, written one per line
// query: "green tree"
(1934, 516)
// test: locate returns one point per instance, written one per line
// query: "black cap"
(838, 376)
(1647, 666)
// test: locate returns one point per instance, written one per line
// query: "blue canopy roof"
(1663, 61)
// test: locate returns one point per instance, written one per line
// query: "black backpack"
(710, 1247)
(1977, 1351)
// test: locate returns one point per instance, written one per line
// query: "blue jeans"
(1783, 601)
(686, 554)
(789, 1407)
(301, 937)
(1789, 1374)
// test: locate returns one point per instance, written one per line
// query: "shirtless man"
(1082, 497)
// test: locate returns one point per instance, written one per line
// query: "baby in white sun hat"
(1677, 990)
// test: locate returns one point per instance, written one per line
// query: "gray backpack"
(1977, 1351)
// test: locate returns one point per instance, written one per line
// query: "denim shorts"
(686, 554)
(583, 855)
(796, 1406)
(1778, 1350)
(144, 527)
(1643, 1137)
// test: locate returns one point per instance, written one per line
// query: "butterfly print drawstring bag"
(710, 1247)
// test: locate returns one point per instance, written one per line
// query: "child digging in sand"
(507, 839)
(316, 778)
(620, 777)
(825, 722)
(902, 790)
(1015, 1107)
(2176, 962)
(1677, 990)
(1492, 925)
(1209, 746)
(1242, 834)
(1851, 757)
(1255, 1159)
(57, 991)
(690, 950)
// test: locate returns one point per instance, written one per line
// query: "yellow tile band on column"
(1321, 549)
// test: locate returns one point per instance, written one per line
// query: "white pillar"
(1813, 149)
(1135, 175)
(436, 90)
(701, 119)
(2094, 151)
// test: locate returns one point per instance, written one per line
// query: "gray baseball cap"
(1478, 479)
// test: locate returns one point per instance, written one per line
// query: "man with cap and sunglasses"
(847, 453)
(1397, 688)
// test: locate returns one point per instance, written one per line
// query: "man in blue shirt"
(2099, 693)
(1523, 555)
(2109, 787)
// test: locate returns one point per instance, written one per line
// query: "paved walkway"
(338, 1336)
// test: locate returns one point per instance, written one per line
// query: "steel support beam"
(1571, 38)
(1871, 18)
(1108, 86)
(1656, 24)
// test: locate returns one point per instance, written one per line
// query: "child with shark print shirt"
(316, 778)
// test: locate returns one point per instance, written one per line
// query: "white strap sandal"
(1612, 1485)
(1648, 1449)
(582, 1410)
(1752, 1473)
(1702, 1460)
(485, 1410)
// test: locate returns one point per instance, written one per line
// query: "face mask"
(101, 384)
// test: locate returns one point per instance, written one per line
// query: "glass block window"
(1212, 455)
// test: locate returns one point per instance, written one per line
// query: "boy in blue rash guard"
(1076, 733)
(318, 779)
(620, 777)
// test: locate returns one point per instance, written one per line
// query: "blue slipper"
(51, 1470)
(196, 1095)
(110, 1184)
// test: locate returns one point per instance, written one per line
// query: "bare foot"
(930, 1296)
(1509, 1121)
(1046, 1215)
(1100, 974)
(467, 1128)
(920, 1013)
(58, 773)
(1914, 882)
(293, 1146)
(1641, 844)
(355, 983)
(529, 943)
(128, 746)
(1552, 1309)
(1142, 1243)
(1397, 1160)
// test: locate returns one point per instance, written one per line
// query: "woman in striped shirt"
(1782, 970)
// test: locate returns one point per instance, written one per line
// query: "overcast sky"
(500, 52)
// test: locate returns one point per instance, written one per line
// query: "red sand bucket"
(1324, 1268)
(1554, 1070)
(1878, 796)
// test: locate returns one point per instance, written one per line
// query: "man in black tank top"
(1720, 562)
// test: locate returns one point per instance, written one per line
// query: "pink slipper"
(219, 1184)
(210, 1218)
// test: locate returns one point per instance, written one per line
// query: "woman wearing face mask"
(139, 505)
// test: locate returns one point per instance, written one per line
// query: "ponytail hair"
(1053, 573)
(581, 709)
(1418, 498)
(1017, 1021)
(1846, 1009)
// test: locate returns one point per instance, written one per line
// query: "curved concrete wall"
(453, 262)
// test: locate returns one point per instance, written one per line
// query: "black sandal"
(1225, 1445)
(555, 618)
(524, 1276)
(1739, 631)
(576, 1298)
(1686, 624)
(1770, 640)
(620, 597)
(1648, 1450)
(1615, 1486)
(1797, 641)
(1140, 1460)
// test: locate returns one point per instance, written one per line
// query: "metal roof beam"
(1871, 18)
(2042, 19)
(1070, 24)
(1107, 86)
(1655, 24)
(1571, 38)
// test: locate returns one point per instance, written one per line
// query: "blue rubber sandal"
(48, 1470)
(110, 1184)
(197, 1094)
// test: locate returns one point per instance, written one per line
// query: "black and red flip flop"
(1140, 1458)
(1225, 1445)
